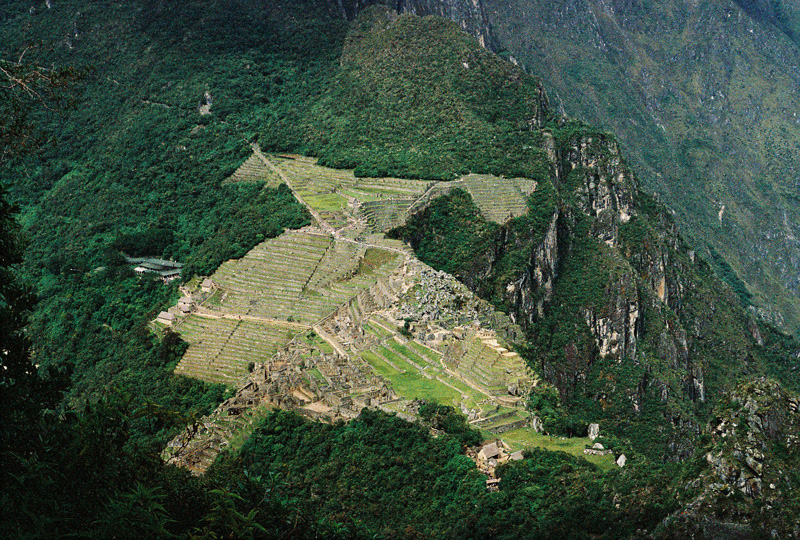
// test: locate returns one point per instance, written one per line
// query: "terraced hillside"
(385, 203)
(289, 284)
(487, 363)
(335, 193)
(499, 199)
(415, 370)
(339, 317)
(255, 171)
(221, 348)
(391, 344)
(283, 286)
(474, 382)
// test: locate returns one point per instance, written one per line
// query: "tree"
(23, 394)
(25, 86)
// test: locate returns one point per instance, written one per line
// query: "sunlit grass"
(410, 384)
(519, 439)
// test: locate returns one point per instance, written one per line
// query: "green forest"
(121, 123)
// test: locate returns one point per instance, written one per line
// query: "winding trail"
(321, 222)
(212, 314)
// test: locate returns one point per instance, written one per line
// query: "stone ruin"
(287, 381)
(491, 455)
(332, 386)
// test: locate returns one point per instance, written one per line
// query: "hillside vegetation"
(702, 96)
(625, 323)
(414, 98)
(135, 167)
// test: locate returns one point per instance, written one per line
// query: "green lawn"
(330, 202)
(379, 331)
(396, 359)
(403, 350)
(316, 341)
(315, 373)
(412, 385)
(521, 438)
(425, 351)
(215, 300)
(472, 396)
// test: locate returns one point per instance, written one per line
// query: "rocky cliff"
(701, 96)
(749, 468)
(623, 318)
(469, 14)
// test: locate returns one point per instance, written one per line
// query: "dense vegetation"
(138, 167)
(418, 99)
(384, 475)
(656, 374)
(134, 167)
(699, 95)
(451, 235)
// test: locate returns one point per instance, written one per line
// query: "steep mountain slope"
(622, 316)
(389, 114)
(624, 323)
(702, 97)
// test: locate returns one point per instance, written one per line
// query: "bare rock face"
(594, 431)
(755, 443)
(533, 290)
(468, 14)
(616, 330)
(592, 168)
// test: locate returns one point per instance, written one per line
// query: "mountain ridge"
(626, 325)
(686, 131)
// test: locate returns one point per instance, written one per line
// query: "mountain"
(269, 145)
(596, 272)
(701, 96)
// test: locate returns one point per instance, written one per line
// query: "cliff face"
(622, 317)
(469, 14)
(641, 273)
(701, 96)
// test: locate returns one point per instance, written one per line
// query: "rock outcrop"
(469, 14)
(750, 468)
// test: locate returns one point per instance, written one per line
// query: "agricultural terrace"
(254, 171)
(220, 349)
(487, 364)
(418, 371)
(331, 191)
(281, 287)
(287, 285)
(414, 370)
(499, 199)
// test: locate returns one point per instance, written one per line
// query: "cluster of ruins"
(310, 340)
(490, 456)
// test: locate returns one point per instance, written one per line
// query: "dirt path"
(209, 314)
(330, 340)
(322, 223)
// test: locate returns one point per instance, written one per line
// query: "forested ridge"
(164, 100)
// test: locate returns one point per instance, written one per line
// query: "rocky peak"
(469, 14)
